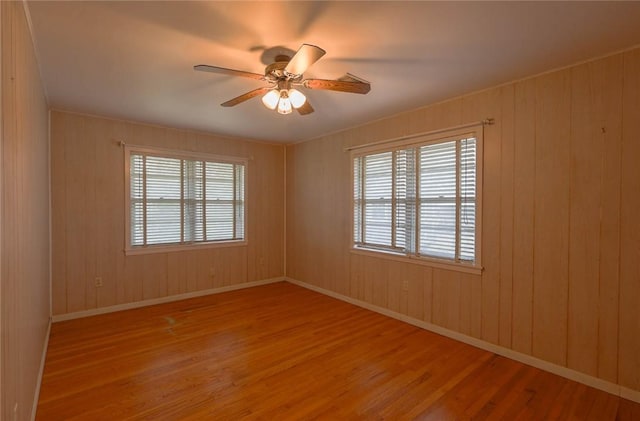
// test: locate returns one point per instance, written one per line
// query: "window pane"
(220, 204)
(377, 197)
(193, 203)
(438, 200)
(239, 207)
(467, 199)
(438, 229)
(405, 196)
(357, 200)
(136, 188)
(219, 220)
(163, 221)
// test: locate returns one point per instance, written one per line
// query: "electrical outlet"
(405, 285)
(98, 282)
(212, 272)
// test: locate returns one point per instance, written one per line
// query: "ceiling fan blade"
(242, 98)
(229, 72)
(306, 108)
(306, 55)
(338, 85)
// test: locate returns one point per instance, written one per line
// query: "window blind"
(418, 200)
(175, 200)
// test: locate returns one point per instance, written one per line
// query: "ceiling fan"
(284, 75)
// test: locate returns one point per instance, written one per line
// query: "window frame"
(416, 141)
(130, 249)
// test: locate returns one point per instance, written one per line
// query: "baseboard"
(600, 384)
(36, 397)
(162, 300)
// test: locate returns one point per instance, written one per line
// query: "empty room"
(336, 210)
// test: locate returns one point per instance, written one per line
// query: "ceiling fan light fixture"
(284, 105)
(271, 98)
(287, 71)
(297, 98)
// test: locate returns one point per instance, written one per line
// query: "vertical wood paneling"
(551, 235)
(610, 91)
(396, 296)
(446, 299)
(108, 235)
(76, 223)
(88, 189)
(559, 220)
(591, 138)
(428, 295)
(507, 169)
(177, 273)
(629, 352)
(58, 227)
(417, 291)
(24, 220)
(87, 184)
(523, 215)
(584, 240)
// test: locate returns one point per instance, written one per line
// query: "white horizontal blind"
(437, 200)
(468, 199)
(380, 200)
(174, 200)
(418, 200)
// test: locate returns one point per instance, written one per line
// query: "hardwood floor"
(282, 352)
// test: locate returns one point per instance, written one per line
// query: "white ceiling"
(134, 60)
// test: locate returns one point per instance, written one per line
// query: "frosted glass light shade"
(284, 106)
(270, 100)
(297, 98)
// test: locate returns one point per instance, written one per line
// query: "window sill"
(181, 247)
(424, 261)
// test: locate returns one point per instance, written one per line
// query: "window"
(179, 199)
(420, 199)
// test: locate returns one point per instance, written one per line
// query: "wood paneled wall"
(561, 225)
(24, 221)
(88, 217)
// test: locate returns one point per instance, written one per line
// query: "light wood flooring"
(281, 352)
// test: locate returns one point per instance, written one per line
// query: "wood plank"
(154, 275)
(584, 227)
(77, 220)
(428, 295)
(58, 217)
(551, 248)
(415, 294)
(109, 238)
(507, 172)
(629, 310)
(596, 126)
(523, 215)
(608, 299)
(446, 299)
(177, 273)
(281, 351)
(87, 180)
(396, 295)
